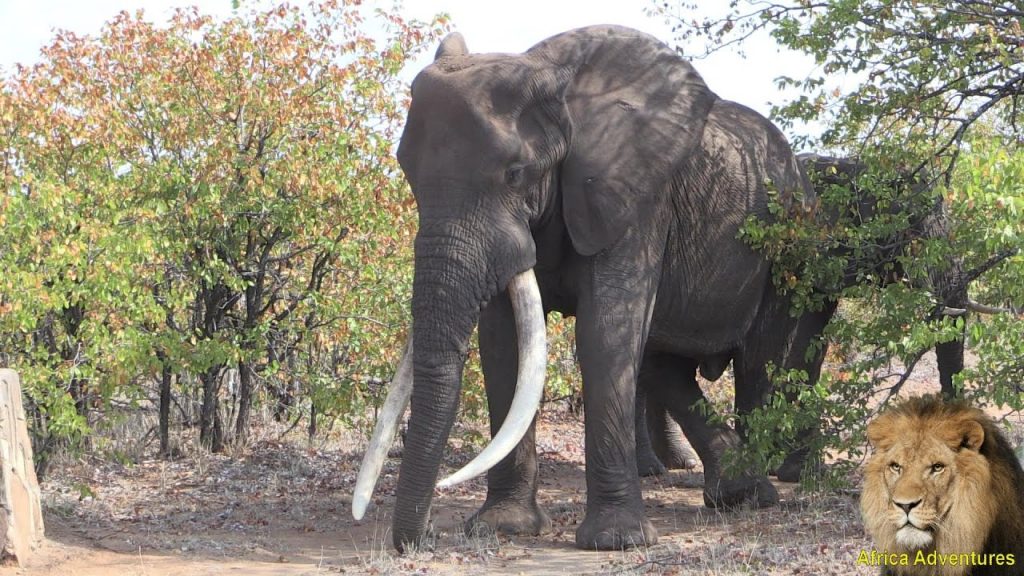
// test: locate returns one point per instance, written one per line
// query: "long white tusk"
(384, 434)
(986, 309)
(950, 311)
(533, 357)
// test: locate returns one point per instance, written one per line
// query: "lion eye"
(937, 467)
(896, 468)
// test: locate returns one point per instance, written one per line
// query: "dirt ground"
(283, 508)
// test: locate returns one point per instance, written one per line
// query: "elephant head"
(947, 284)
(562, 140)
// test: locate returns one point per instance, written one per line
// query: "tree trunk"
(165, 410)
(218, 433)
(443, 320)
(312, 420)
(210, 431)
(80, 394)
(245, 389)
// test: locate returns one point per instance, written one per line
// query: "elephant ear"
(633, 110)
(452, 45)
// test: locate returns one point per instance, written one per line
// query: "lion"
(943, 483)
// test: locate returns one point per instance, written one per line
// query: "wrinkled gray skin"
(659, 438)
(603, 161)
(661, 448)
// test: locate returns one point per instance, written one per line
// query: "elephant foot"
(680, 458)
(647, 464)
(615, 529)
(757, 492)
(792, 467)
(508, 517)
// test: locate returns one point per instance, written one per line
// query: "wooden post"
(21, 516)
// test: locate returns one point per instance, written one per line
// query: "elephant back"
(760, 157)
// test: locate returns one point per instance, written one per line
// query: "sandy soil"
(282, 508)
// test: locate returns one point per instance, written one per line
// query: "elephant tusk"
(384, 433)
(985, 309)
(533, 354)
(977, 308)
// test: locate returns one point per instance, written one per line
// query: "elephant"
(595, 175)
(663, 446)
(659, 438)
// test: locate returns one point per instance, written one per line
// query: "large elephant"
(656, 441)
(596, 175)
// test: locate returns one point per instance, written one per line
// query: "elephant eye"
(896, 468)
(938, 467)
(514, 176)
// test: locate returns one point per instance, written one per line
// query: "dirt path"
(280, 509)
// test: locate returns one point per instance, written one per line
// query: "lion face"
(917, 475)
(925, 486)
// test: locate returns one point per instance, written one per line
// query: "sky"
(507, 26)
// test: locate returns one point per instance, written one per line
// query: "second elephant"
(658, 445)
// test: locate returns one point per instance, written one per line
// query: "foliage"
(929, 89)
(205, 196)
(917, 67)
(988, 199)
(563, 379)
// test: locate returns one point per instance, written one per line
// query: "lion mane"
(943, 479)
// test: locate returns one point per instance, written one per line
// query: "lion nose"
(907, 506)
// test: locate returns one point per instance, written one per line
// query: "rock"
(21, 516)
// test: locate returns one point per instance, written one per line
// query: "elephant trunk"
(449, 289)
(446, 305)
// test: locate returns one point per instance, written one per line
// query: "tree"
(926, 69)
(71, 318)
(204, 196)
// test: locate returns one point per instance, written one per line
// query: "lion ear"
(972, 435)
(880, 433)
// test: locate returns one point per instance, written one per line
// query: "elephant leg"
(795, 463)
(612, 321)
(667, 437)
(680, 393)
(511, 504)
(648, 463)
(659, 440)
(784, 342)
